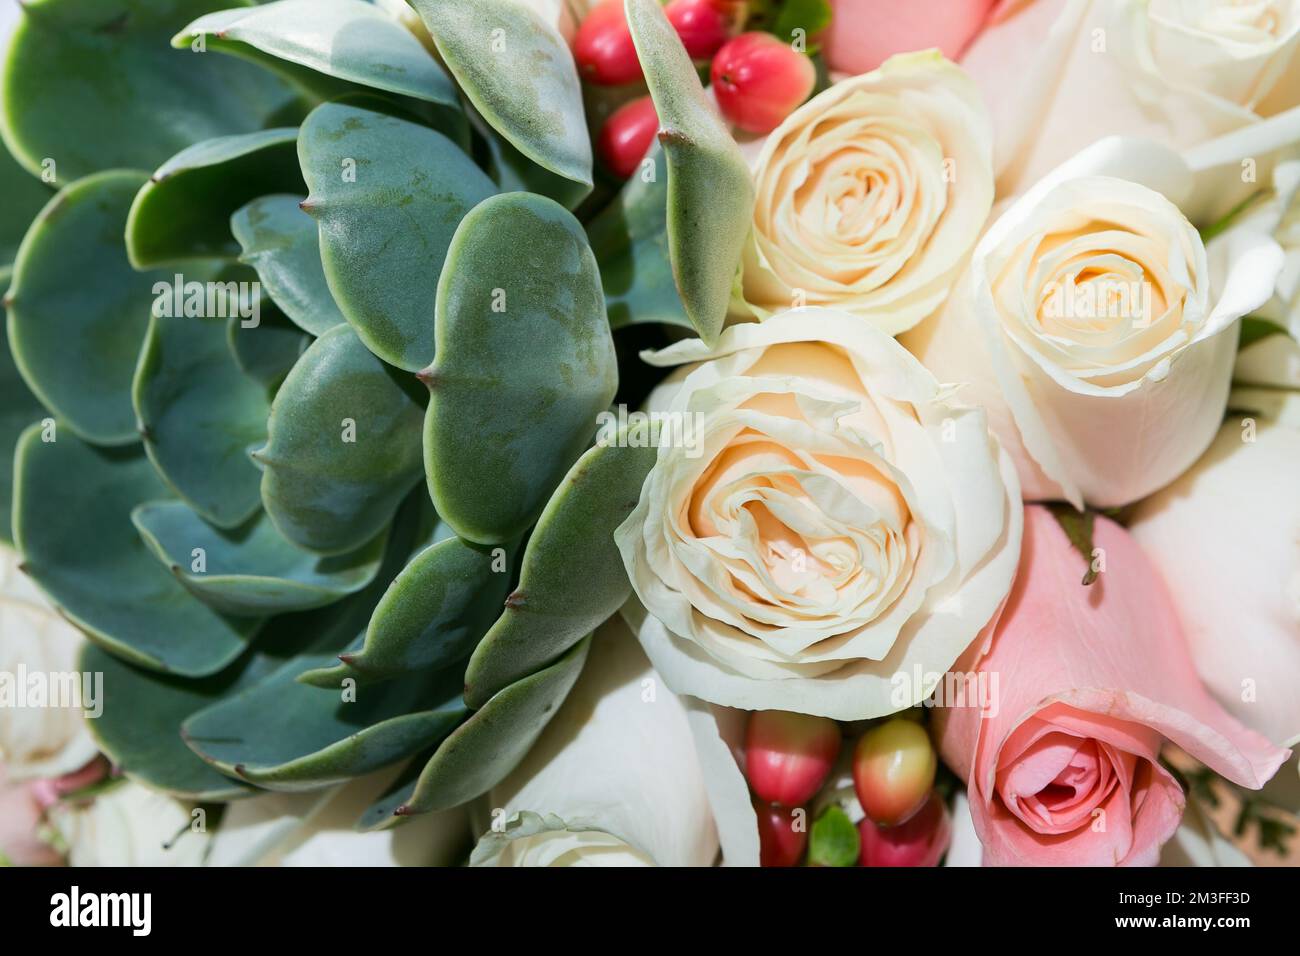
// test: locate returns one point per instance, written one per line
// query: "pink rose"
(865, 33)
(1090, 682)
(20, 818)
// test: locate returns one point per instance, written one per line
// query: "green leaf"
(512, 171)
(76, 342)
(200, 446)
(18, 409)
(525, 362)
(72, 507)
(518, 72)
(282, 243)
(93, 85)
(433, 613)
(1254, 328)
(630, 239)
(184, 211)
(384, 231)
(251, 570)
(267, 352)
(572, 577)
(833, 840)
(810, 16)
(382, 813)
(324, 492)
(22, 196)
(1078, 528)
(483, 750)
(326, 46)
(710, 193)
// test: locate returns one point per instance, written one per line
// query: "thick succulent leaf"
(22, 196)
(325, 46)
(512, 171)
(525, 362)
(251, 570)
(199, 415)
(630, 239)
(282, 243)
(78, 311)
(483, 750)
(286, 735)
(268, 351)
(382, 813)
(184, 211)
(433, 613)
(94, 85)
(572, 576)
(518, 72)
(710, 193)
(388, 195)
(343, 446)
(18, 409)
(72, 508)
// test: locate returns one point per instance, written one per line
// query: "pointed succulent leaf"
(72, 507)
(518, 72)
(285, 735)
(512, 171)
(199, 415)
(76, 342)
(282, 243)
(324, 47)
(572, 577)
(22, 196)
(525, 362)
(382, 812)
(343, 446)
(183, 211)
(433, 613)
(630, 239)
(710, 192)
(91, 85)
(387, 195)
(18, 409)
(251, 570)
(267, 351)
(483, 750)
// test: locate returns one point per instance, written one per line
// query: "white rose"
(1097, 331)
(870, 196)
(1275, 360)
(36, 741)
(130, 825)
(613, 780)
(835, 518)
(1226, 539)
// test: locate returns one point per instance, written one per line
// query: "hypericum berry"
(782, 834)
(893, 770)
(603, 47)
(759, 80)
(701, 25)
(787, 756)
(627, 135)
(921, 841)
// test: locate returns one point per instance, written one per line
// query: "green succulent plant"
(357, 517)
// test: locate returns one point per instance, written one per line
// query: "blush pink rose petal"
(865, 33)
(1090, 682)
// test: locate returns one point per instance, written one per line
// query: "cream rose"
(1089, 325)
(871, 195)
(130, 825)
(836, 519)
(1275, 360)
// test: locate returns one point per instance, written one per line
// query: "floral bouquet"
(553, 432)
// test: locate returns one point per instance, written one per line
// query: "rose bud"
(787, 756)
(701, 25)
(782, 834)
(893, 770)
(627, 136)
(759, 80)
(922, 840)
(603, 47)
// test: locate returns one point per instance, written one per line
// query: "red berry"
(701, 25)
(627, 136)
(760, 80)
(893, 770)
(787, 756)
(782, 835)
(921, 841)
(603, 47)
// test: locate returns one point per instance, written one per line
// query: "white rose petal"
(131, 825)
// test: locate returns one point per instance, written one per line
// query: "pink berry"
(782, 835)
(921, 841)
(759, 81)
(701, 25)
(603, 47)
(787, 756)
(893, 770)
(627, 136)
